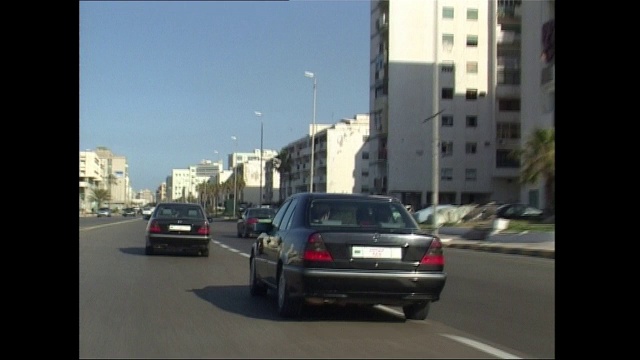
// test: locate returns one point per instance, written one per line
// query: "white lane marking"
(109, 224)
(482, 347)
(478, 345)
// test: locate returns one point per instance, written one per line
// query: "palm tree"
(111, 180)
(283, 166)
(100, 196)
(538, 161)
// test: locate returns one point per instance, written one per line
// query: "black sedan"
(254, 221)
(347, 249)
(178, 227)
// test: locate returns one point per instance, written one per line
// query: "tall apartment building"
(90, 179)
(341, 159)
(457, 63)
(102, 169)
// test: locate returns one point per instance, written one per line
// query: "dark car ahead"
(347, 249)
(178, 227)
(254, 221)
(129, 212)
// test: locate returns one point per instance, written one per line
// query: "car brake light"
(434, 255)
(316, 250)
(252, 221)
(204, 229)
(154, 227)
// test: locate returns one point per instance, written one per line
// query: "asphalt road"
(137, 306)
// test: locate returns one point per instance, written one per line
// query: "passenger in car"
(364, 217)
(320, 212)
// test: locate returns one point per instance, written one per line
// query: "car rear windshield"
(261, 213)
(181, 211)
(357, 213)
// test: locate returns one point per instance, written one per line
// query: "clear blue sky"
(166, 84)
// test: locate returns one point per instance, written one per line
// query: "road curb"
(498, 248)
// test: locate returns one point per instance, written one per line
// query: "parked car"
(426, 215)
(519, 212)
(178, 227)
(253, 221)
(147, 211)
(347, 249)
(104, 211)
(129, 212)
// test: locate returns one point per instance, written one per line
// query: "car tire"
(255, 287)
(239, 232)
(148, 250)
(205, 252)
(417, 311)
(288, 307)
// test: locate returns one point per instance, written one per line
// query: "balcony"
(548, 78)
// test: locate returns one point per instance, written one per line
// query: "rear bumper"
(365, 287)
(186, 242)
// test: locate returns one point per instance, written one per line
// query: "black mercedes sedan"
(347, 249)
(178, 227)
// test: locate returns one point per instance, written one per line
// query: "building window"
(446, 148)
(470, 174)
(509, 104)
(446, 174)
(471, 148)
(472, 40)
(447, 12)
(365, 155)
(472, 121)
(472, 94)
(365, 173)
(446, 66)
(472, 67)
(505, 159)
(447, 120)
(447, 93)
(447, 42)
(472, 14)
(508, 130)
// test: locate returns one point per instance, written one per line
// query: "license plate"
(179, 227)
(376, 252)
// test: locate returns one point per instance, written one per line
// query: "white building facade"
(341, 159)
(457, 63)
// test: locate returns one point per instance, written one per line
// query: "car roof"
(346, 196)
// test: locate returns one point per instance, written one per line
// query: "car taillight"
(434, 255)
(154, 227)
(252, 221)
(204, 229)
(315, 249)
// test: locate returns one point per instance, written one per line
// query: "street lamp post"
(259, 114)
(313, 129)
(235, 176)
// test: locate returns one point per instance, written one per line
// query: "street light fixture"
(235, 175)
(313, 129)
(259, 114)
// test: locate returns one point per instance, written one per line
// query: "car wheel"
(417, 311)
(255, 288)
(148, 250)
(239, 232)
(205, 252)
(287, 306)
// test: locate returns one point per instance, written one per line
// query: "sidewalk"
(531, 244)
